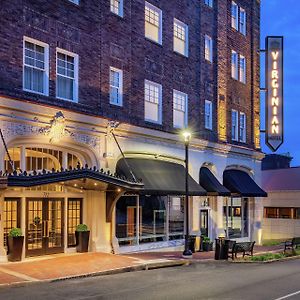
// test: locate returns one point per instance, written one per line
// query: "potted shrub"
(82, 235)
(207, 245)
(15, 244)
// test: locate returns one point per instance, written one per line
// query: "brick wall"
(102, 39)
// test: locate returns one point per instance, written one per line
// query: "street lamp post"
(187, 253)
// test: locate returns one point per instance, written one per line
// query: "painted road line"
(19, 275)
(288, 296)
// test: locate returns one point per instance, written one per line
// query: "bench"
(292, 244)
(243, 247)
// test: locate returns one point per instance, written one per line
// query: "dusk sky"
(281, 17)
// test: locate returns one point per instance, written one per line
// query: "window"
(208, 48)
(234, 65)
(116, 86)
(234, 15)
(180, 37)
(242, 69)
(285, 213)
(208, 114)
(116, 7)
(74, 218)
(242, 127)
(153, 23)
(66, 75)
(271, 213)
(36, 67)
(179, 109)
(74, 1)
(209, 2)
(234, 125)
(153, 100)
(242, 24)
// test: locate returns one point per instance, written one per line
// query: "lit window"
(242, 69)
(234, 15)
(242, 127)
(234, 125)
(242, 21)
(208, 114)
(36, 67)
(153, 23)
(116, 86)
(234, 65)
(66, 75)
(208, 48)
(209, 2)
(179, 109)
(153, 99)
(180, 37)
(116, 7)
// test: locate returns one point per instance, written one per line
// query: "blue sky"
(282, 17)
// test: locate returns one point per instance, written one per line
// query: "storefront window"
(160, 218)
(271, 213)
(236, 217)
(297, 213)
(285, 213)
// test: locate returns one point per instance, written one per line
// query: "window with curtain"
(36, 70)
(153, 23)
(153, 100)
(116, 86)
(180, 37)
(116, 7)
(66, 75)
(234, 15)
(179, 109)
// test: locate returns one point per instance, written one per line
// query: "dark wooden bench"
(242, 247)
(292, 244)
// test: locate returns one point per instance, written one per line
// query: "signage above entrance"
(274, 89)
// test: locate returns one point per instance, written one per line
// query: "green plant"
(15, 232)
(206, 239)
(272, 242)
(81, 227)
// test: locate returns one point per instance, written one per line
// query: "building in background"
(282, 206)
(69, 70)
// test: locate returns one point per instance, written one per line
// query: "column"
(23, 222)
(66, 224)
(3, 257)
(23, 158)
(256, 207)
(220, 216)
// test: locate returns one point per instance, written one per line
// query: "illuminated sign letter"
(274, 96)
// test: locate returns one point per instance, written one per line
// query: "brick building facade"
(94, 39)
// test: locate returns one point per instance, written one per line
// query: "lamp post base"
(187, 254)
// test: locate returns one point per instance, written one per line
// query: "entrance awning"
(240, 183)
(212, 184)
(159, 177)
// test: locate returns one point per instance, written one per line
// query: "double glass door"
(44, 226)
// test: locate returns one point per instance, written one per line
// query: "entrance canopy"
(240, 183)
(212, 184)
(159, 177)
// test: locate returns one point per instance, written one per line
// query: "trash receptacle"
(221, 251)
(191, 243)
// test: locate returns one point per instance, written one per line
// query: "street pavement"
(200, 280)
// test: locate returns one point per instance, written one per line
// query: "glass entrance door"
(204, 222)
(44, 226)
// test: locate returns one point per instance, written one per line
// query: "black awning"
(159, 177)
(212, 184)
(240, 183)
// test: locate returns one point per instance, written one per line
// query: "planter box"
(82, 241)
(15, 247)
(207, 246)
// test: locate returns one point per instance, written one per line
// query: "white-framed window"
(243, 21)
(234, 15)
(181, 37)
(116, 7)
(115, 86)
(66, 75)
(180, 109)
(153, 23)
(208, 114)
(209, 2)
(242, 132)
(208, 48)
(153, 102)
(234, 125)
(234, 65)
(242, 69)
(35, 66)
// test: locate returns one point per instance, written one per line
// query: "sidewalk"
(63, 266)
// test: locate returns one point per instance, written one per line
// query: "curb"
(142, 267)
(267, 261)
